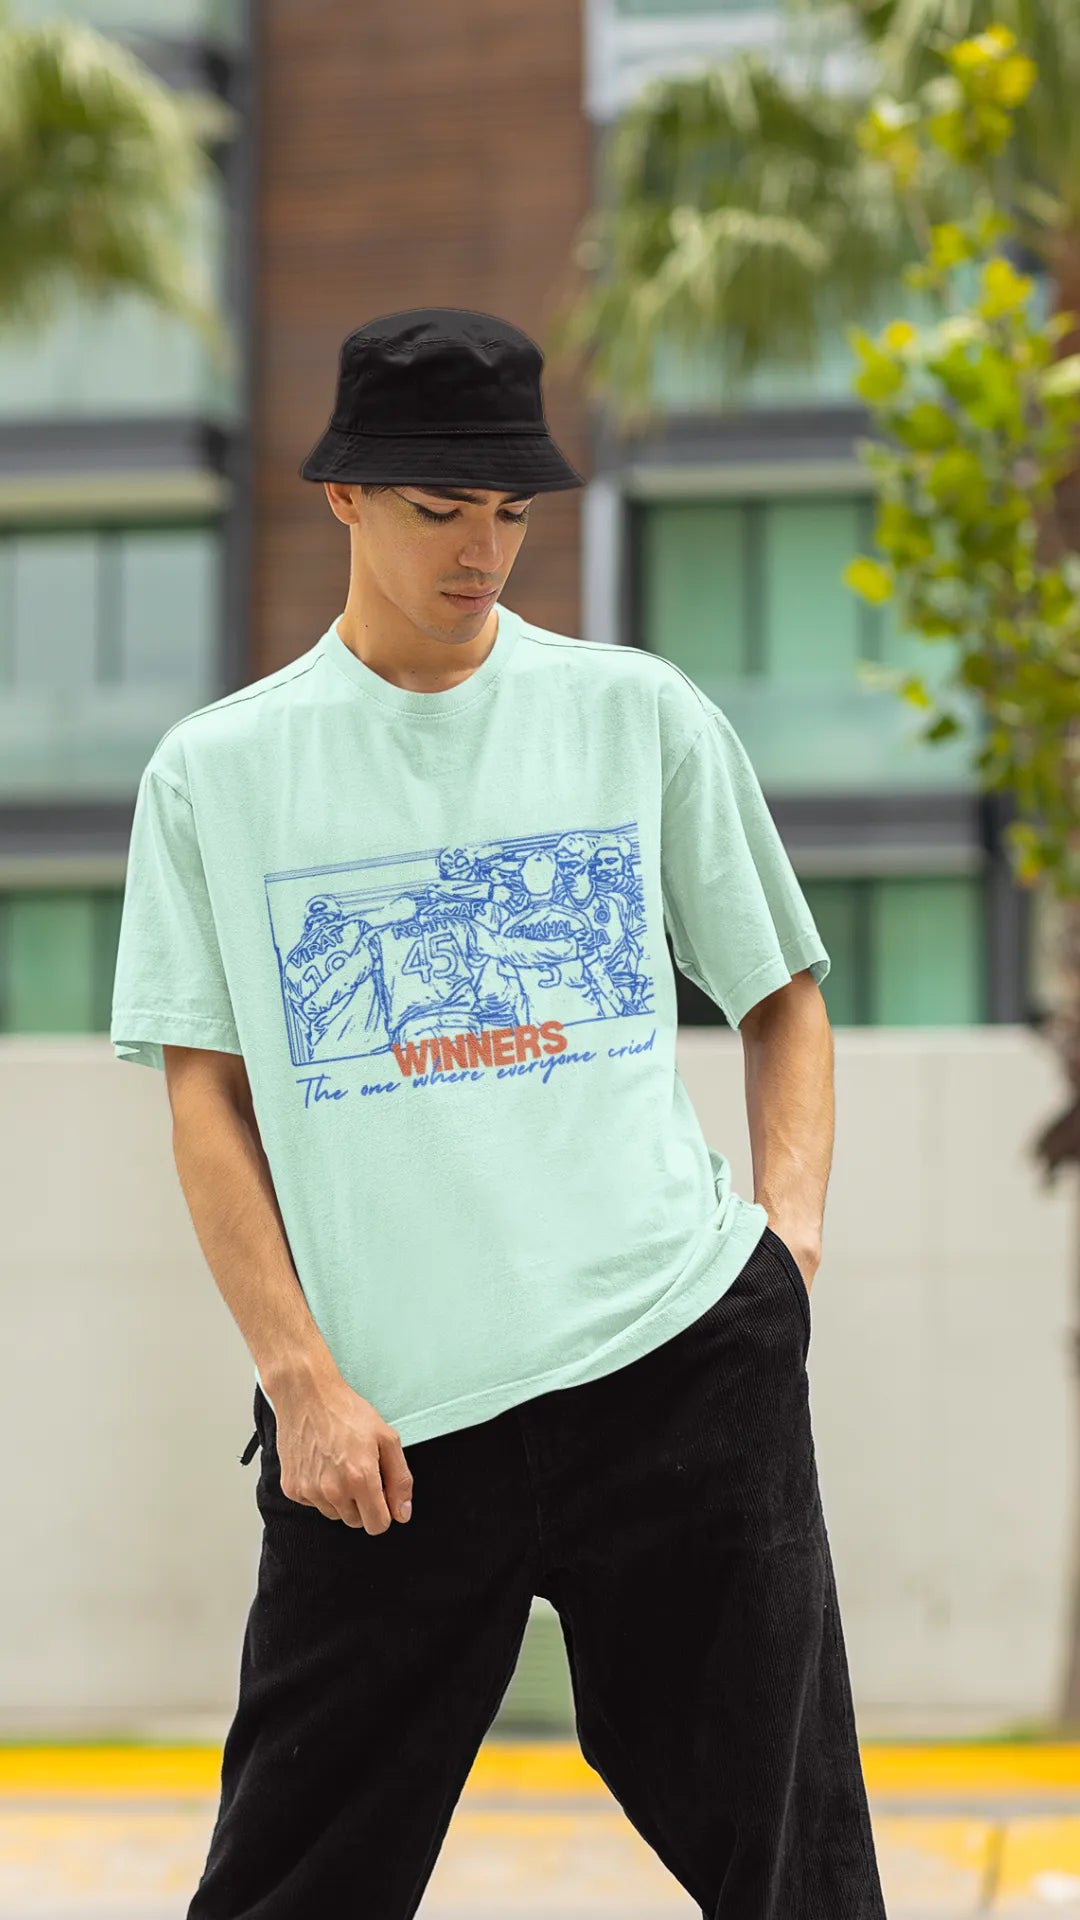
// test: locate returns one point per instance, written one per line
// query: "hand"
(803, 1246)
(338, 1454)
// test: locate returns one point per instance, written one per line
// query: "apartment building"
(158, 549)
(124, 540)
(720, 541)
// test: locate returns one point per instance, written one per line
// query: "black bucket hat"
(442, 396)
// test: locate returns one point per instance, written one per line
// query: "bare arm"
(336, 1451)
(790, 1106)
(226, 1181)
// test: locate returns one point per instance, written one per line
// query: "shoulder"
(223, 723)
(650, 682)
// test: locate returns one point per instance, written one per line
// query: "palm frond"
(735, 213)
(101, 166)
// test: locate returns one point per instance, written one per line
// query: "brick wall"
(429, 153)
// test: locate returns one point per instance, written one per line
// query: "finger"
(346, 1511)
(350, 1516)
(334, 1499)
(398, 1483)
(368, 1495)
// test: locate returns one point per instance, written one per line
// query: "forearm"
(789, 1062)
(227, 1184)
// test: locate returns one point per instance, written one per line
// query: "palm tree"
(100, 166)
(738, 211)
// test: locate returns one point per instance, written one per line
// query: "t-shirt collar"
(449, 700)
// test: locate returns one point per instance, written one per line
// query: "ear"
(342, 504)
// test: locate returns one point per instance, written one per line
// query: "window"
(58, 958)
(663, 9)
(747, 596)
(195, 19)
(906, 951)
(107, 635)
(692, 379)
(630, 42)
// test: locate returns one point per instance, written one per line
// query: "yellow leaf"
(898, 335)
(913, 691)
(1003, 288)
(950, 245)
(869, 578)
(1063, 377)
(982, 48)
(967, 56)
(1001, 39)
(1014, 80)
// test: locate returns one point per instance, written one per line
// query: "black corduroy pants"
(670, 1511)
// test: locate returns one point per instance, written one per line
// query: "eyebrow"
(474, 499)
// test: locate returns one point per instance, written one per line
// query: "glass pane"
(171, 18)
(662, 9)
(834, 905)
(812, 620)
(932, 660)
(693, 377)
(168, 608)
(926, 942)
(96, 749)
(51, 962)
(105, 641)
(685, 378)
(832, 737)
(694, 587)
(54, 612)
(813, 726)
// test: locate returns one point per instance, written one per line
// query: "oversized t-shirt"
(433, 926)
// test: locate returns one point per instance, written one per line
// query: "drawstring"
(249, 1450)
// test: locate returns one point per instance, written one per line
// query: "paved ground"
(121, 1833)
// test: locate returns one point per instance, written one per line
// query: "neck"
(425, 659)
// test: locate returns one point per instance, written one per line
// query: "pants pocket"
(790, 1266)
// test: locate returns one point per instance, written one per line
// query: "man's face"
(607, 865)
(416, 547)
(456, 863)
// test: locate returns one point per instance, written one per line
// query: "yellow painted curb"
(540, 1767)
(963, 1769)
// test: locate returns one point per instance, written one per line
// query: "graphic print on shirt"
(424, 956)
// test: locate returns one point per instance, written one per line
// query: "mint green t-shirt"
(433, 925)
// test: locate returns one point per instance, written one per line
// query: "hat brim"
(530, 461)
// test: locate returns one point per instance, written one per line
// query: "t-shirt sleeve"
(739, 923)
(169, 985)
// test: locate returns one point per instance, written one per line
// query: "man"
(451, 1186)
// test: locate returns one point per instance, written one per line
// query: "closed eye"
(516, 519)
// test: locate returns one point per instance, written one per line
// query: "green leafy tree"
(100, 165)
(978, 417)
(752, 215)
(738, 210)
(755, 216)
